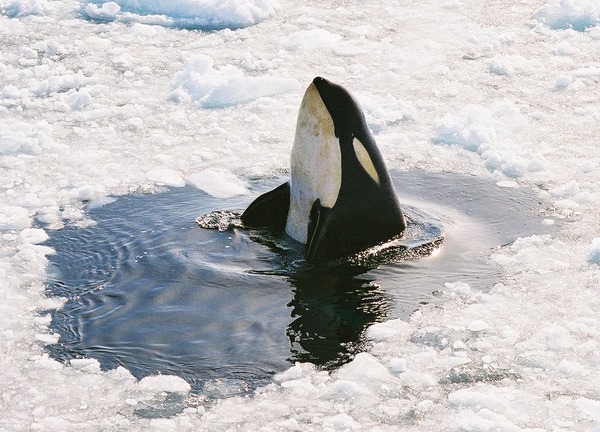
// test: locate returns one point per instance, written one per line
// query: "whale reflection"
(330, 313)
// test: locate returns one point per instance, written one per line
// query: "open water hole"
(150, 290)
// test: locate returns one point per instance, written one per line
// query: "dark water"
(150, 290)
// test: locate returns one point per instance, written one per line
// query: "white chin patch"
(316, 164)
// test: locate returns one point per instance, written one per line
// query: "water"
(150, 290)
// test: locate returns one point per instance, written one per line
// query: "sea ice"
(200, 83)
(106, 11)
(14, 218)
(94, 102)
(492, 132)
(578, 15)
(310, 40)
(184, 13)
(219, 183)
(590, 406)
(398, 365)
(165, 176)
(21, 8)
(164, 383)
(594, 255)
(33, 236)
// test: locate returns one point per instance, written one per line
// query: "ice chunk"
(398, 365)
(490, 132)
(578, 15)
(431, 336)
(346, 388)
(594, 255)
(365, 369)
(219, 183)
(165, 383)
(310, 40)
(499, 66)
(107, 11)
(87, 365)
(204, 14)
(392, 329)
(165, 176)
(200, 83)
(566, 190)
(515, 167)
(23, 138)
(341, 422)
(290, 424)
(587, 72)
(478, 326)
(21, 8)
(562, 82)
(458, 289)
(552, 338)
(591, 407)
(459, 345)
(242, 89)
(33, 236)
(382, 112)
(564, 48)
(477, 398)
(299, 370)
(84, 193)
(47, 338)
(570, 368)
(14, 218)
(477, 125)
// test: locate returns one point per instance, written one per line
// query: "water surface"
(150, 290)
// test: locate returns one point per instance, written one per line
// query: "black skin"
(365, 214)
(269, 210)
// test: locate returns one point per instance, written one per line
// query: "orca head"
(345, 112)
(330, 123)
(350, 127)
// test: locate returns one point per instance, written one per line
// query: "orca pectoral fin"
(317, 230)
(269, 210)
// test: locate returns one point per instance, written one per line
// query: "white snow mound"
(201, 84)
(204, 14)
(578, 15)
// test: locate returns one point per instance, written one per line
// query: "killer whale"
(340, 199)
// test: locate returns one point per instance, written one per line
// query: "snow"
(183, 13)
(578, 15)
(165, 383)
(218, 183)
(594, 255)
(492, 132)
(310, 40)
(199, 83)
(100, 99)
(19, 8)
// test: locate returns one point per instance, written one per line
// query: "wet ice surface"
(226, 309)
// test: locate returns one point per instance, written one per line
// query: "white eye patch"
(365, 160)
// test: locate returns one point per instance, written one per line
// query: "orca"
(339, 199)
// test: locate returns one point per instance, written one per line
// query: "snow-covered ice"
(183, 13)
(101, 99)
(201, 84)
(218, 183)
(578, 15)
